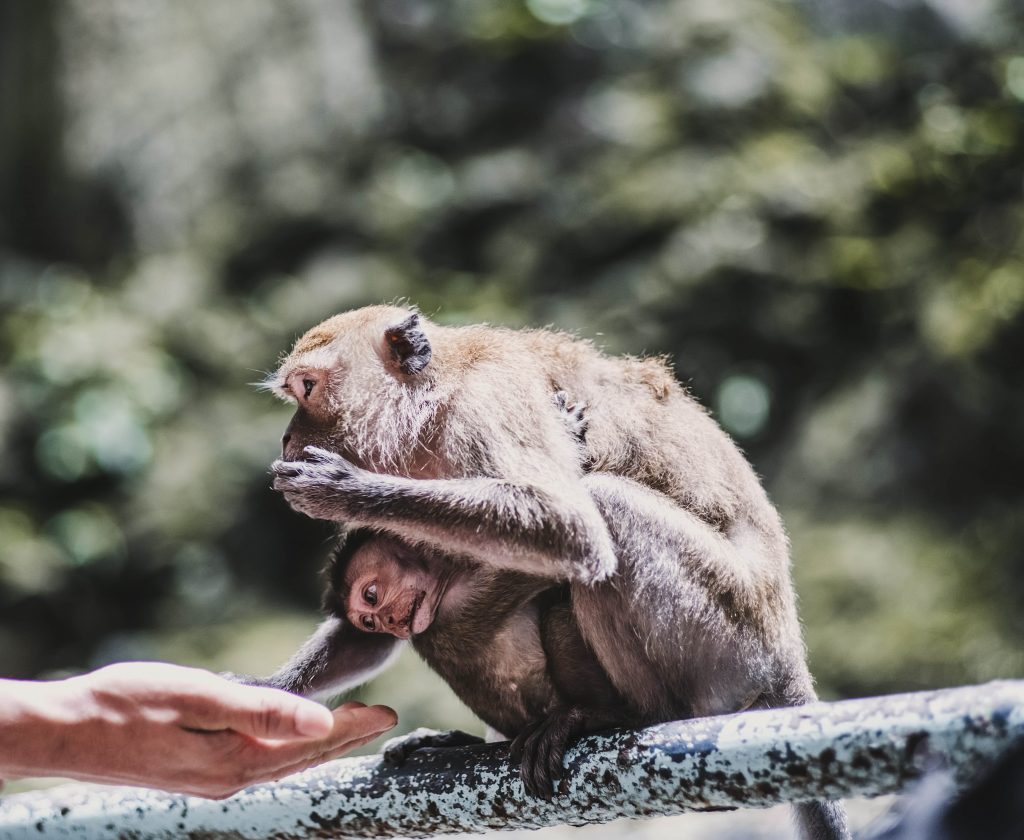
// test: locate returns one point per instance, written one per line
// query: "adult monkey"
(444, 437)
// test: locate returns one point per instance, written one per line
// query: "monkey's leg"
(551, 532)
(698, 620)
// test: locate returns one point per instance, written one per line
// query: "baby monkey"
(507, 643)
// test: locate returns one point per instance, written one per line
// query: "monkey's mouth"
(416, 621)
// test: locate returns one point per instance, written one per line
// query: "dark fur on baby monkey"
(507, 643)
(673, 563)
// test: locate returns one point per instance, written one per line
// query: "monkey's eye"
(367, 623)
(307, 385)
(370, 594)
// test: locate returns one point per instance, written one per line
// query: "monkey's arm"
(496, 522)
(335, 658)
(650, 530)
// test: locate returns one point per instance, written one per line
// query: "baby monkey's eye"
(370, 594)
(307, 386)
(367, 622)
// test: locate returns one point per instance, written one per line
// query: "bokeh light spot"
(1015, 76)
(744, 403)
(113, 429)
(420, 181)
(62, 454)
(557, 12)
(86, 533)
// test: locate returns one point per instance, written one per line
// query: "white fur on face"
(385, 427)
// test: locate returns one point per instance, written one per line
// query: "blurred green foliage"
(814, 207)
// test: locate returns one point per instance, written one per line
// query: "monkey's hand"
(397, 750)
(317, 486)
(574, 415)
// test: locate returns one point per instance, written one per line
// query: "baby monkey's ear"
(408, 345)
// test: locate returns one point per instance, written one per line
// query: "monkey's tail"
(822, 820)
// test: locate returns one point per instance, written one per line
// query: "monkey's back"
(644, 425)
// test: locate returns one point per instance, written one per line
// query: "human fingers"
(255, 711)
(353, 726)
(320, 758)
(197, 699)
(230, 780)
(226, 761)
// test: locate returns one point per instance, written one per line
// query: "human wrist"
(34, 722)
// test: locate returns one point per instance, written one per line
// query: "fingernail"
(313, 721)
(393, 714)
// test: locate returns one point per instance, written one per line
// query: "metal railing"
(748, 760)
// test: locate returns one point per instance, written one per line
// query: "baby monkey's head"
(382, 585)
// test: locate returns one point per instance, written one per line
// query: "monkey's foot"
(539, 750)
(397, 750)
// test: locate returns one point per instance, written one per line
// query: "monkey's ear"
(409, 345)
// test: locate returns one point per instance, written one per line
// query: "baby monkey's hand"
(573, 414)
(397, 750)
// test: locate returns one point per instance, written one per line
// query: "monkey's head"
(381, 585)
(353, 380)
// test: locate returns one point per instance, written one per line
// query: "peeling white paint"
(753, 759)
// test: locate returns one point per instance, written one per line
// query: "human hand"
(177, 729)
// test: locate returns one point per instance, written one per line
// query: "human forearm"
(171, 728)
(35, 720)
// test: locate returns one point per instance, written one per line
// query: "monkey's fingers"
(331, 464)
(396, 755)
(555, 750)
(317, 455)
(532, 770)
(571, 724)
(285, 469)
(398, 750)
(318, 465)
(550, 750)
(579, 414)
(515, 750)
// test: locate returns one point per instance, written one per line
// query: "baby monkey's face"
(391, 590)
